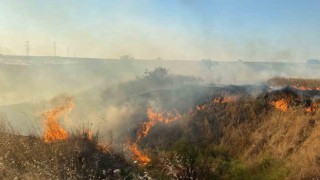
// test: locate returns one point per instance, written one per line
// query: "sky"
(227, 30)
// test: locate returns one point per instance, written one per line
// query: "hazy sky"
(171, 29)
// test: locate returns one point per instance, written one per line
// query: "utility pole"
(54, 48)
(27, 46)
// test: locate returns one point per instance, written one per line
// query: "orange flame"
(312, 108)
(141, 158)
(281, 104)
(154, 118)
(53, 130)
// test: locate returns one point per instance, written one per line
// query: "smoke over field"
(219, 120)
(159, 89)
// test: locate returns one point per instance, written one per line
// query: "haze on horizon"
(147, 29)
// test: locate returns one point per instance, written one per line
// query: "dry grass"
(299, 82)
(247, 138)
(257, 140)
(27, 157)
(291, 136)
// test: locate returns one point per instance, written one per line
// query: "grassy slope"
(246, 139)
(26, 157)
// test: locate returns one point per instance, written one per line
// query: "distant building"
(313, 61)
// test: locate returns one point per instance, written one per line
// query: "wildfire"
(281, 104)
(311, 108)
(143, 159)
(225, 99)
(154, 118)
(53, 130)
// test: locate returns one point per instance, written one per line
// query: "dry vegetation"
(297, 82)
(232, 136)
(28, 157)
(245, 139)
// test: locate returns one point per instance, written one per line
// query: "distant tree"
(157, 73)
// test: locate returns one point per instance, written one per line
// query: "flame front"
(143, 159)
(53, 130)
(281, 104)
(312, 108)
(154, 118)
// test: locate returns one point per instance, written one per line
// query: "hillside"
(246, 138)
(234, 132)
(27, 157)
(167, 126)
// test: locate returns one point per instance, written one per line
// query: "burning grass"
(78, 157)
(53, 130)
(281, 104)
(137, 154)
(154, 118)
(274, 135)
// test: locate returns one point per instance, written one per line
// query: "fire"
(166, 117)
(53, 130)
(225, 99)
(141, 158)
(154, 118)
(311, 108)
(281, 104)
